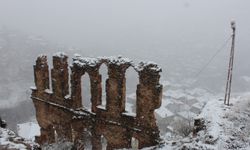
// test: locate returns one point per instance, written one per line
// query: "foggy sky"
(120, 24)
(167, 32)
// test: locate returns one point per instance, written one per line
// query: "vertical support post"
(230, 67)
(41, 73)
(116, 89)
(148, 94)
(60, 75)
(96, 88)
(148, 98)
(76, 92)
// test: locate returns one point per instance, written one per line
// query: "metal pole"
(230, 68)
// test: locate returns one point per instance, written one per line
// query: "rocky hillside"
(226, 127)
(10, 141)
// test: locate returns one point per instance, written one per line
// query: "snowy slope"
(227, 127)
(28, 130)
(9, 140)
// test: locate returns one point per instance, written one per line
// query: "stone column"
(60, 75)
(149, 94)
(96, 88)
(41, 73)
(76, 93)
(116, 89)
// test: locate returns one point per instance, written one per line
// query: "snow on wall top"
(42, 59)
(148, 65)
(42, 56)
(118, 60)
(92, 62)
(60, 54)
(85, 61)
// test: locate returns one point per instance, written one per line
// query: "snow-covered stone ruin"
(62, 115)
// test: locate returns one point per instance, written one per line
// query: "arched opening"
(134, 143)
(86, 92)
(49, 61)
(56, 136)
(87, 139)
(131, 86)
(83, 140)
(104, 72)
(104, 142)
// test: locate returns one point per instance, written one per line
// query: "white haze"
(162, 30)
(179, 35)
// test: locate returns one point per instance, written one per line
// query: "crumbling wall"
(61, 115)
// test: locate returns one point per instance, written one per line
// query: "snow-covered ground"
(9, 140)
(5, 141)
(28, 130)
(227, 127)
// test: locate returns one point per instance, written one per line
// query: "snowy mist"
(180, 35)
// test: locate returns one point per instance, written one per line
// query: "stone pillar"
(41, 73)
(60, 75)
(96, 88)
(148, 94)
(116, 89)
(76, 92)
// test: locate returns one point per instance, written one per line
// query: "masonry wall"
(62, 116)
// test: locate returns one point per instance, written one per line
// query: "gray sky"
(125, 24)
(177, 34)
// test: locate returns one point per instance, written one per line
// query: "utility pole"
(230, 68)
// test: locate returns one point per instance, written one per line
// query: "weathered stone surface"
(61, 115)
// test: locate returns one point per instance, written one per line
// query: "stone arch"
(61, 110)
(86, 91)
(104, 142)
(55, 135)
(103, 69)
(95, 86)
(87, 138)
(116, 86)
(132, 80)
(134, 143)
(75, 80)
(83, 141)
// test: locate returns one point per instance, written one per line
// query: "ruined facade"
(61, 114)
